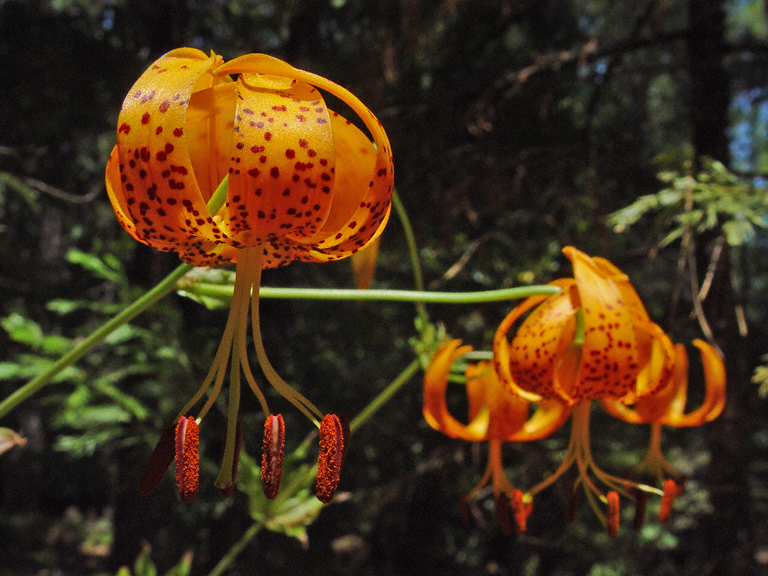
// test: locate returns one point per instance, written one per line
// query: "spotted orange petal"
(609, 364)
(153, 183)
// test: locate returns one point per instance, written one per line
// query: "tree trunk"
(727, 531)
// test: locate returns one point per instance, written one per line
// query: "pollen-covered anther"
(671, 490)
(272, 448)
(187, 458)
(332, 448)
(520, 510)
(159, 461)
(228, 490)
(612, 514)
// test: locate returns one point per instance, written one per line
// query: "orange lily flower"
(496, 415)
(255, 171)
(593, 340)
(666, 407)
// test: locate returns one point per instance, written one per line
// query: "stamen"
(572, 506)
(272, 448)
(227, 491)
(504, 513)
(612, 514)
(520, 510)
(345, 432)
(187, 458)
(641, 501)
(330, 458)
(159, 461)
(667, 499)
(253, 264)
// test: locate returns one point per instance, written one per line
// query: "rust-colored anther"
(187, 458)
(612, 514)
(159, 461)
(345, 432)
(235, 461)
(331, 455)
(641, 501)
(520, 510)
(668, 498)
(272, 448)
(504, 513)
(572, 505)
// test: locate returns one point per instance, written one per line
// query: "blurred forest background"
(518, 127)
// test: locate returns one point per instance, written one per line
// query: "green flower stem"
(245, 539)
(384, 396)
(413, 252)
(165, 287)
(224, 293)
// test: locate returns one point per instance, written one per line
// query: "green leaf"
(144, 565)
(95, 265)
(23, 330)
(295, 506)
(738, 232)
(183, 567)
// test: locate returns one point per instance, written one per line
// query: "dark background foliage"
(517, 127)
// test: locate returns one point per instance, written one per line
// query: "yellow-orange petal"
(364, 264)
(283, 164)
(361, 199)
(548, 417)
(517, 364)
(609, 360)
(658, 358)
(435, 409)
(628, 292)
(366, 223)
(272, 449)
(187, 458)
(507, 412)
(714, 399)
(157, 188)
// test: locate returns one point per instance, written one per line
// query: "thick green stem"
(384, 396)
(164, 288)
